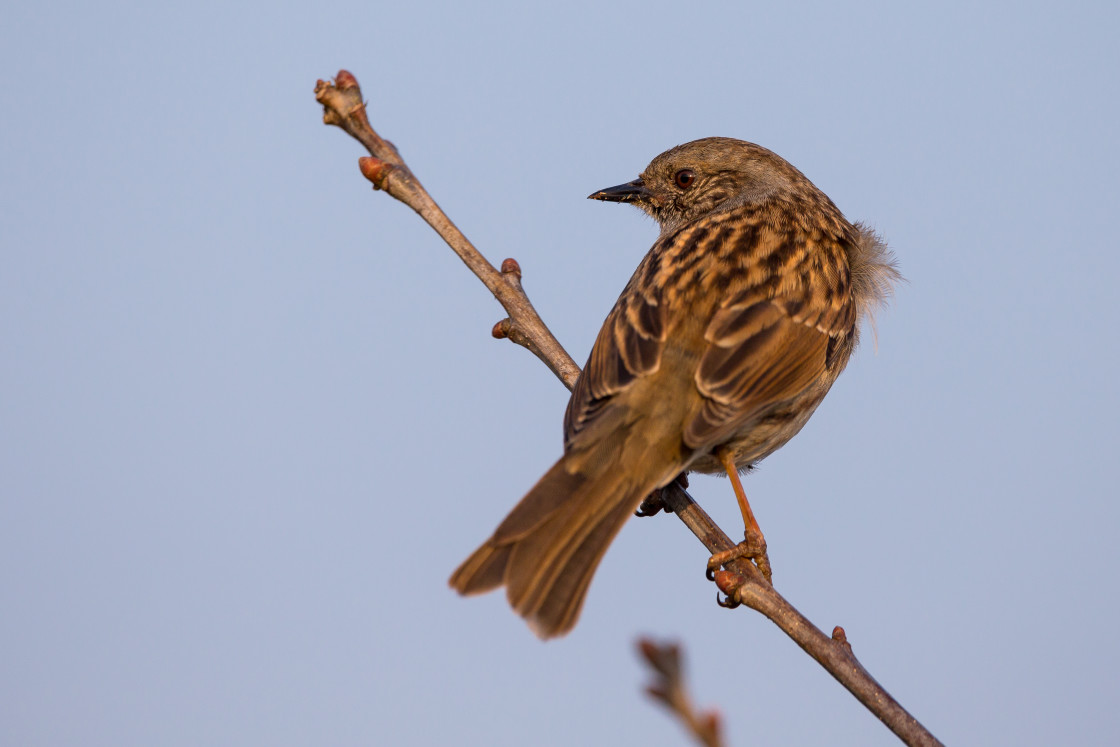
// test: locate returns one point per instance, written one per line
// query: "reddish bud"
(501, 330)
(510, 265)
(376, 170)
(345, 80)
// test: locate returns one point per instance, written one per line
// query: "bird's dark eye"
(684, 178)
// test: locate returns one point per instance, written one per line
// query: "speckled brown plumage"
(727, 337)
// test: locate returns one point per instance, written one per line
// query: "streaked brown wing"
(764, 344)
(774, 339)
(757, 356)
(628, 347)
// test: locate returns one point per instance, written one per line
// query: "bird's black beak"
(634, 191)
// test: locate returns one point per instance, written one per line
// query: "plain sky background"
(251, 415)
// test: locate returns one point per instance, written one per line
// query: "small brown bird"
(721, 346)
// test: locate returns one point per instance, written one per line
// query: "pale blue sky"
(251, 416)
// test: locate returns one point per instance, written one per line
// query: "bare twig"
(741, 582)
(668, 688)
(343, 107)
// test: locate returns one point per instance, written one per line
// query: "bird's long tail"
(546, 551)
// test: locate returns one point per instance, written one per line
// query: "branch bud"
(376, 170)
(345, 80)
(501, 329)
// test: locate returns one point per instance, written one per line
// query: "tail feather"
(558, 612)
(483, 571)
(548, 548)
(541, 503)
(486, 568)
(546, 567)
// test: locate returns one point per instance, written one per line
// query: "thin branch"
(343, 107)
(742, 582)
(669, 689)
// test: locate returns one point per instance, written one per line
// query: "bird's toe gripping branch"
(753, 548)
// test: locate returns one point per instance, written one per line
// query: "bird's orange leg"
(753, 545)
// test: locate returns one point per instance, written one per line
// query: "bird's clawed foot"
(753, 548)
(653, 502)
(652, 505)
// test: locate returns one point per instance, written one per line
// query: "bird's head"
(705, 176)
